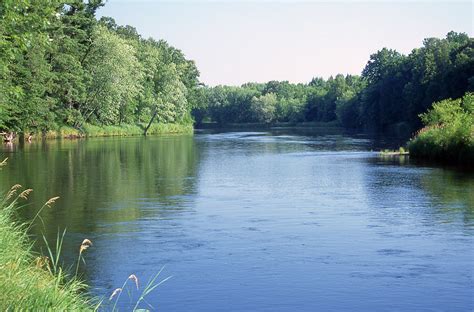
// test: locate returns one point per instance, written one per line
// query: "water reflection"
(104, 184)
(452, 194)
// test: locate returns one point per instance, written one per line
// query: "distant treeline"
(59, 65)
(392, 91)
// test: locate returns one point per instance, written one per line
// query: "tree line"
(59, 65)
(392, 90)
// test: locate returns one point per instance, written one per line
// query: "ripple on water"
(392, 252)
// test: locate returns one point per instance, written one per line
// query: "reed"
(36, 282)
(28, 280)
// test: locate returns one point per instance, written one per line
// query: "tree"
(115, 81)
(23, 29)
(263, 107)
(164, 94)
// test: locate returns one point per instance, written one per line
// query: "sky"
(234, 42)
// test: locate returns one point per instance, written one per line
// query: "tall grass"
(89, 130)
(29, 281)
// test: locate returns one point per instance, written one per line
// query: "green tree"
(263, 107)
(115, 81)
(23, 29)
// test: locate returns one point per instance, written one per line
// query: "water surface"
(276, 220)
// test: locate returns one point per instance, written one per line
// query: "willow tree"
(263, 107)
(164, 93)
(116, 77)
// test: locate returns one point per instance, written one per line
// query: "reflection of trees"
(287, 140)
(453, 191)
(104, 181)
(400, 192)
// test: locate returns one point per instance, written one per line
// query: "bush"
(448, 134)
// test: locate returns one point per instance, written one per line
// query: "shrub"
(448, 134)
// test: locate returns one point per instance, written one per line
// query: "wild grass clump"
(400, 152)
(135, 129)
(90, 130)
(103, 131)
(29, 281)
(448, 135)
(169, 128)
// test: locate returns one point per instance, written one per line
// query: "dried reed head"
(83, 248)
(134, 278)
(51, 201)
(116, 292)
(86, 243)
(12, 191)
(25, 193)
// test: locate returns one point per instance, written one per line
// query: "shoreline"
(92, 131)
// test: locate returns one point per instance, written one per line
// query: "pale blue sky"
(234, 42)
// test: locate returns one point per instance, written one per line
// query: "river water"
(274, 220)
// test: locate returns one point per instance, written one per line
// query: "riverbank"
(123, 130)
(448, 135)
(440, 146)
(26, 279)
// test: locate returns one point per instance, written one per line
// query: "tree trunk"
(151, 120)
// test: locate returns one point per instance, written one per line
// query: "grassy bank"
(89, 130)
(448, 135)
(29, 281)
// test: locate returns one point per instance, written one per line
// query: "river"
(271, 220)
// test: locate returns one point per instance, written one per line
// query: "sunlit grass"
(400, 152)
(89, 130)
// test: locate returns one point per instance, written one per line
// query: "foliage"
(60, 66)
(391, 92)
(263, 108)
(448, 134)
(115, 79)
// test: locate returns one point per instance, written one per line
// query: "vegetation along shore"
(448, 134)
(39, 282)
(29, 280)
(65, 73)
